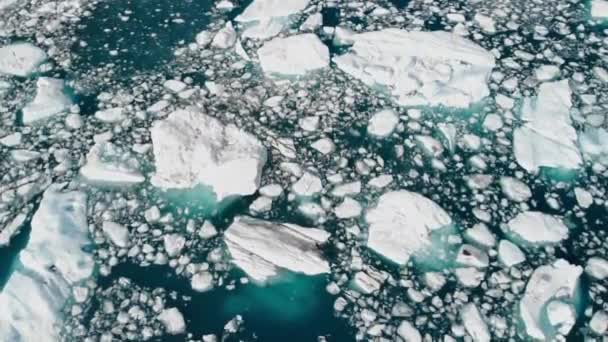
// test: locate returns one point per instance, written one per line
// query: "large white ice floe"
(293, 56)
(547, 138)
(420, 68)
(474, 323)
(262, 249)
(51, 99)
(266, 18)
(192, 148)
(20, 59)
(51, 263)
(108, 163)
(547, 307)
(401, 224)
(536, 228)
(599, 9)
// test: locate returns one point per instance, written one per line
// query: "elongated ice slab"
(536, 228)
(401, 223)
(108, 163)
(262, 248)
(51, 263)
(20, 59)
(420, 68)
(192, 148)
(50, 100)
(599, 9)
(293, 56)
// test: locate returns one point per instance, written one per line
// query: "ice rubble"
(51, 263)
(401, 223)
(262, 248)
(266, 18)
(20, 59)
(550, 290)
(50, 100)
(420, 68)
(536, 228)
(293, 56)
(547, 138)
(192, 148)
(108, 163)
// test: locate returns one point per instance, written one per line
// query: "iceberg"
(192, 148)
(547, 138)
(108, 163)
(264, 19)
(20, 59)
(536, 228)
(550, 288)
(401, 224)
(293, 56)
(420, 68)
(51, 263)
(262, 248)
(50, 100)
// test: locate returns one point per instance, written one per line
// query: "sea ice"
(173, 320)
(555, 282)
(192, 148)
(293, 56)
(599, 9)
(263, 248)
(50, 100)
(420, 68)
(20, 59)
(401, 223)
(547, 138)
(594, 145)
(108, 163)
(536, 228)
(474, 323)
(382, 123)
(117, 233)
(11, 229)
(264, 19)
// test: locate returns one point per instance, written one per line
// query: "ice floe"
(50, 100)
(20, 59)
(108, 163)
(420, 68)
(536, 228)
(382, 123)
(52, 262)
(474, 323)
(192, 148)
(266, 18)
(262, 248)
(401, 223)
(293, 56)
(547, 138)
(173, 320)
(599, 9)
(555, 283)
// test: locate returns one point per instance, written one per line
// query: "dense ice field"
(303, 170)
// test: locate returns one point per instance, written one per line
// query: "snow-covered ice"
(11, 229)
(264, 19)
(20, 59)
(51, 99)
(382, 123)
(555, 282)
(420, 68)
(509, 254)
(192, 148)
(173, 320)
(108, 163)
(293, 56)
(594, 145)
(514, 189)
(597, 268)
(52, 262)
(401, 223)
(117, 233)
(599, 9)
(474, 323)
(537, 228)
(547, 138)
(263, 248)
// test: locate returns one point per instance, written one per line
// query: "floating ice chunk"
(173, 320)
(383, 123)
(559, 280)
(547, 73)
(599, 9)
(224, 38)
(117, 233)
(264, 19)
(420, 68)
(509, 254)
(11, 229)
(20, 59)
(192, 148)
(365, 284)
(547, 138)
(597, 268)
(109, 163)
(486, 23)
(111, 115)
(481, 234)
(514, 189)
(50, 100)
(262, 248)
(174, 243)
(599, 322)
(474, 323)
(594, 145)
(293, 56)
(401, 223)
(50, 264)
(313, 22)
(349, 208)
(408, 332)
(202, 282)
(307, 185)
(536, 228)
(583, 197)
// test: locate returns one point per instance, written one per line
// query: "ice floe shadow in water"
(296, 308)
(136, 35)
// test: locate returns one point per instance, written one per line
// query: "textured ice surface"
(192, 148)
(420, 68)
(382, 123)
(51, 263)
(547, 138)
(266, 18)
(50, 100)
(293, 56)
(401, 223)
(536, 228)
(108, 163)
(474, 323)
(262, 248)
(599, 9)
(20, 59)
